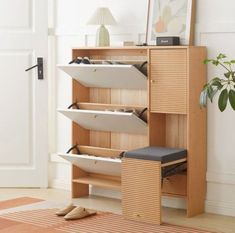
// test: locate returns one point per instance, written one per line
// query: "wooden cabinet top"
(137, 47)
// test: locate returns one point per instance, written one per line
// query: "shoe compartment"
(175, 185)
(109, 118)
(173, 127)
(107, 75)
(100, 166)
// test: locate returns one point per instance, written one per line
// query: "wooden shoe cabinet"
(174, 118)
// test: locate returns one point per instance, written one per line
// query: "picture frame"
(171, 18)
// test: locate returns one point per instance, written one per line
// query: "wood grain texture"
(141, 190)
(100, 98)
(100, 182)
(168, 81)
(99, 151)
(196, 133)
(100, 139)
(157, 129)
(173, 162)
(129, 98)
(176, 76)
(176, 131)
(79, 136)
(175, 185)
(78, 189)
(103, 107)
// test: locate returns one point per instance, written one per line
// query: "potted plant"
(224, 86)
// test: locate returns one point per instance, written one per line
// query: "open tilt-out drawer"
(124, 122)
(107, 76)
(100, 166)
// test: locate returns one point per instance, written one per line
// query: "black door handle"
(40, 67)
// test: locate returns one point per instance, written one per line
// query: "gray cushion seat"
(161, 154)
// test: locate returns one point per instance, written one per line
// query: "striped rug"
(40, 218)
(18, 202)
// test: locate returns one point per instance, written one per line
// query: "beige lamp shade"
(102, 16)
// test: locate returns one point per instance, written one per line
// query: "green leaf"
(213, 93)
(223, 100)
(209, 93)
(205, 86)
(228, 74)
(203, 98)
(215, 62)
(232, 61)
(218, 85)
(215, 79)
(232, 98)
(227, 62)
(221, 56)
(217, 82)
(233, 74)
(206, 61)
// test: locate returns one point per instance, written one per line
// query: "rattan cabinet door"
(168, 80)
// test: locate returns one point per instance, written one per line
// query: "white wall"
(215, 28)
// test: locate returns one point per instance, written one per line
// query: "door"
(23, 98)
(168, 81)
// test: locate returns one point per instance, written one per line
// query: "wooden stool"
(141, 181)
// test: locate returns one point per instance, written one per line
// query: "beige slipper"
(78, 213)
(65, 210)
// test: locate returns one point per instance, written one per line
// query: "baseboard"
(221, 178)
(222, 208)
(60, 184)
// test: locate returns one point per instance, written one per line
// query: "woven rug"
(38, 216)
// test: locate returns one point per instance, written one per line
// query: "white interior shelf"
(107, 76)
(122, 122)
(93, 164)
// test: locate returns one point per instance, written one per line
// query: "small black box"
(168, 40)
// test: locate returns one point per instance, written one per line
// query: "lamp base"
(102, 37)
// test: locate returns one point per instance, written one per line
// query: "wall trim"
(220, 207)
(221, 178)
(60, 184)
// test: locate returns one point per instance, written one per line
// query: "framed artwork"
(170, 18)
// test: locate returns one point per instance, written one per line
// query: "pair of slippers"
(72, 212)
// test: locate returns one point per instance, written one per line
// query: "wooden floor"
(210, 222)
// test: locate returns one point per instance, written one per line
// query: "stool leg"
(141, 190)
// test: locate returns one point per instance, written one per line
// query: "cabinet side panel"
(196, 134)
(79, 135)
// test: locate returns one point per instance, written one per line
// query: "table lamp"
(102, 16)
